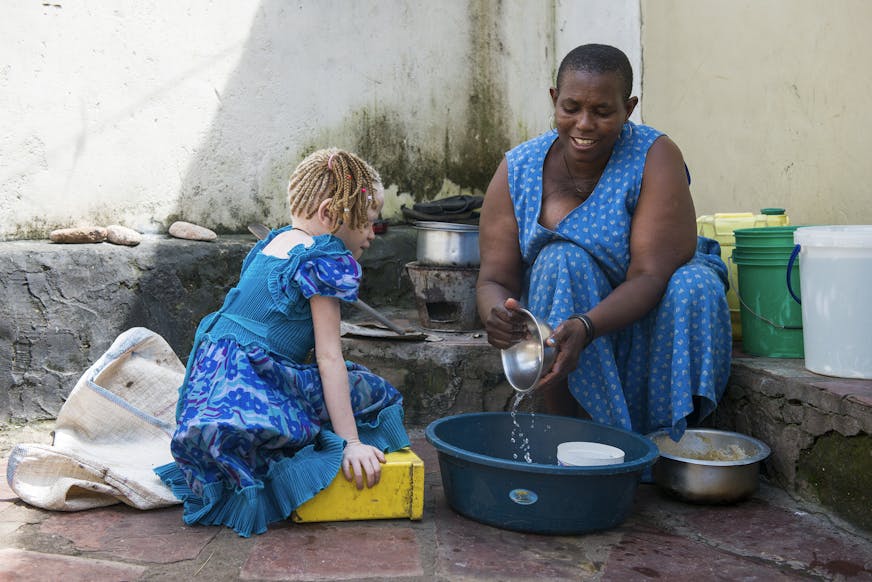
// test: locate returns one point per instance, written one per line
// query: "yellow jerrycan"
(720, 226)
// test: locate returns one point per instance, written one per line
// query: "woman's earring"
(552, 124)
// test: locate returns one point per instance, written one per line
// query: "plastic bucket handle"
(748, 307)
(790, 262)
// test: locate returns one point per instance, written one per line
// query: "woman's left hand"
(569, 340)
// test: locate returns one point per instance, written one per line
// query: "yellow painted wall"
(768, 100)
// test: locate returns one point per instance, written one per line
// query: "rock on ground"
(85, 234)
(121, 235)
(188, 231)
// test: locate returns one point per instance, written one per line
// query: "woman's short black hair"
(598, 58)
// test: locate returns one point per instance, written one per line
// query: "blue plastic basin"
(484, 482)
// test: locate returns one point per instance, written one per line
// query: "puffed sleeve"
(326, 268)
(331, 276)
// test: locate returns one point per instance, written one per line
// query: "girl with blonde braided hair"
(260, 429)
(351, 180)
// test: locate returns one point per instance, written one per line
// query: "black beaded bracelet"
(588, 327)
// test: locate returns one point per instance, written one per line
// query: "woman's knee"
(694, 283)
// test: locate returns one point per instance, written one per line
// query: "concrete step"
(448, 372)
(819, 429)
(62, 305)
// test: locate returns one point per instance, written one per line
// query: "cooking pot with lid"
(447, 244)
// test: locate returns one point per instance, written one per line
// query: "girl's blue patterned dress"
(643, 377)
(254, 440)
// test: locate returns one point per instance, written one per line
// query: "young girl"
(259, 430)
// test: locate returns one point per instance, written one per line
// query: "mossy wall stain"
(473, 157)
(36, 228)
(838, 471)
(411, 168)
(471, 148)
(381, 140)
(415, 164)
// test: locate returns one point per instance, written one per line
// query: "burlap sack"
(114, 428)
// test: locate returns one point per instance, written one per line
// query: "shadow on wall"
(378, 79)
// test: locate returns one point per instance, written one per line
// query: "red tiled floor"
(158, 536)
(22, 565)
(335, 552)
(770, 537)
(467, 548)
(759, 530)
(653, 554)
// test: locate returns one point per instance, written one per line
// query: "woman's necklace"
(303, 230)
(578, 189)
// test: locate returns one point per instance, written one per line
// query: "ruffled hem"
(288, 484)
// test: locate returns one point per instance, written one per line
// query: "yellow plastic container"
(399, 493)
(720, 226)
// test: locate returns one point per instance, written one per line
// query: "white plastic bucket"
(586, 454)
(836, 266)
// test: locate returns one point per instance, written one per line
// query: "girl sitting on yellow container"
(260, 430)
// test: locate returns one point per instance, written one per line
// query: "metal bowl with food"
(708, 465)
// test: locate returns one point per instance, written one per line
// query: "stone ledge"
(819, 429)
(452, 373)
(62, 305)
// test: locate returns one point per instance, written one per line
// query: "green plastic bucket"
(762, 238)
(771, 319)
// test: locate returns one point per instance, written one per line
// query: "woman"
(592, 227)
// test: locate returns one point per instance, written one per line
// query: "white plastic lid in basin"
(834, 236)
(582, 453)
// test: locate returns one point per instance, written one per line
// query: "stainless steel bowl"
(528, 360)
(708, 465)
(447, 244)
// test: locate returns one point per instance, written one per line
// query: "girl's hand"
(359, 459)
(504, 327)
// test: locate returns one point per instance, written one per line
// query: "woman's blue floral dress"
(643, 377)
(254, 440)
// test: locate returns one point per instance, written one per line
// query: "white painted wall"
(767, 99)
(104, 106)
(142, 112)
(614, 22)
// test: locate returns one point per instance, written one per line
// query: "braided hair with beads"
(337, 174)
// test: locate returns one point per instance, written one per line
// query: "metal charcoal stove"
(445, 296)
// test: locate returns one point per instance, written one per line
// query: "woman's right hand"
(569, 340)
(359, 459)
(504, 326)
